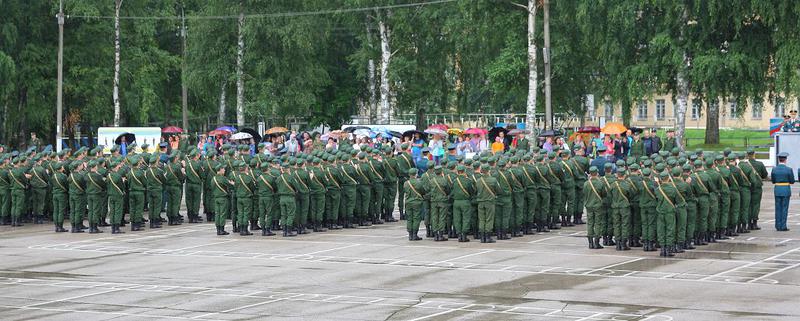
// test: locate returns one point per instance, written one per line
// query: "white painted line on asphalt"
(555, 237)
(750, 264)
(200, 245)
(333, 249)
(105, 313)
(201, 317)
(774, 272)
(440, 313)
(462, 257)
(71, 298)
(613, 265)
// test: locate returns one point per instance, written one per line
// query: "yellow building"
(659, 111)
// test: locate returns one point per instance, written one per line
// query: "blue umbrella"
(227, 128)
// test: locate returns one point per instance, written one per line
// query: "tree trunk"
(548, 107)
(240, 74)
(372, 104)
(712, 122)
(222, 103)
(626, 111)
(385, 110)
(117, 111)
(530, 112)
(682, 87)
(184, 86)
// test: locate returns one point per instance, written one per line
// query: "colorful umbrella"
(253, 133)
(354, 128)
(172, 130)
(589, 129)
(455, 131)
(514, 132)
(443, 127)
(276, 130)
(363, 132)
(476, 131)
(614, 128)
(435, 131)
(218, 132)
(238, 136)
(230, 129)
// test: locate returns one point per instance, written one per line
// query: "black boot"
(591, 242)
(287, 231)
(103, 223)
(489, 238)
(597, 243)
(243, 230)
(618, 245)
(60, 228)
(755, 225)
(745, 228)
(410, 236)
(611, 240)
(93, 228)
(265, 231)
(605, 240)
(678, 247)
(416, 235)
(76, 229)
(688, 245)
(664, 252)
(428, 231)
(625, 245)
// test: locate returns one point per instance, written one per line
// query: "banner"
(775, 126)
(143, 135)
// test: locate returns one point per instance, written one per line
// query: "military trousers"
(755, 203)
(303, 201)
(567, 199)
(18, 205)
(438, 215)
(174, 195)
(348, 201)
(389, 197)
(115, 208)
(691, 219)
(595, 223)
(649, 224)
(713, 212)
(579, 200)
(95, 204)
(518, 216)
(5, 203)
(666, 226)
(723, 212)
(364, 196)
(542, 213)
(317, 207)
(244, 207)
(413, 215)
(154, 205)
(193, 197)
(136, 201)
(59, 207)
(77, 204)
(401, 194)
(461, 215)
(221, 208)
(621, 217)
(332, 200)
(636, 220)
(37, 196)
(531, 204)
(556, 202)
(733, 213)
(486, 216)
(744, 207)
(265, 215)
(703, 213)
(376, 201)
(288, 205)
(503, 212)
(680, 223)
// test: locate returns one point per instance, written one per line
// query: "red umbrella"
(589, 129)
(218, 132)
(476, 131)
(172, 130)
(442, 127)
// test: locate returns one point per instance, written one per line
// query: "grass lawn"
(736, 139)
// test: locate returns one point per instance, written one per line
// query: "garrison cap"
(620, 171)
(687, 168)
(634, 167)
(783, 155)
(601, 148)
(751, 151)
(431, 165)
(593, 169)
(461, 168)
(501, 163)
(663, 175)
(676, 171)
(698, 163)
(412, 171)
(646, 172)
(660, 167)
(608, 166)
(485, 167)
(153, 159)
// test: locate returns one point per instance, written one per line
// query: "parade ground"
(374, 273)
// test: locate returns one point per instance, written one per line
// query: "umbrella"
(443, 127)
(476, 131)
(589, 129)
(363, 132)
(172, 130)
(238, 136)
(218, 132)
(494, 132)
(636, 130)
(230, 129)
(337, 134)
(253, 133)
(354, 128)
(410, 133)
(614, 128)
(276, 130)
(455, 131)
(435, 131)
(547, 133)
(129, 138)
(514, 132)
(394, 133)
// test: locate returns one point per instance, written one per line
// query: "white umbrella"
(241, 135)
(362, 132)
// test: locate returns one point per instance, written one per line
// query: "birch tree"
(240, 73)
(385, 110)
(372, 103)
(117, 6)
(222, 105)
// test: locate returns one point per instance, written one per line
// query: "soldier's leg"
(625, 228)
(702, 218)
(713, 216)
(543, 211)
(680, 224)
(591, 222)
(755, 206)
(350, 204)
(221, 212)
(102, 221)
(389, 198)
(508, 214)
(744, 208)
(531, 208)
(579, 205)
(519, 212)
(136, 201)
(556, 206)
(437, 217)
(635, 223)
(691, 222)
(616, 217)
(39, 196)
(401, 194)
(413, 217)
(733, 213)
(569, 208)
(378, 201)
(154, 198)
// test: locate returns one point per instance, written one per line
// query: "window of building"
(660, 109)
(780, 107)
(732, 110)
(608, 109)
(642, 110)
(757, 110)
(696, 107)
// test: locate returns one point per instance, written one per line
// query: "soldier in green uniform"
(173, 183)
(635, 222)
(543, 195)
(404, 162)
(637, 147)
(647, 210)
(287, 195)
(581, 165)
(364, 189)
(504, 209)
(116, 195)
(350, 181)
(243, 186)
(462, 192)
(195, 176)
(415, 189)
(60, 190)
(701, 188)
(426, 205)
(594, 192)
(209, 164)
(620, 194)
(303, 196)
(77, 196)
(95, 191)
(19, 184)
(219, 190)
(531, 193)
(487, 188)
(682, 189)
(714, 187)
(39, 183)
(154, 177)
(265, 190)
(5, 190)
(669, 141)
(756, 186)
(724, 197)
(440, 192)
(567, 188)
(735, 195)
(606, 214)
(746, 175)
(375, 171)
(556, 178)
(333, 196)
(317, 188)
(391, 171)
(518, 189)
(449, 168)
(137, 187)
(691, 208)
(667, 196)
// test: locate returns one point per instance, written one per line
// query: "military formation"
(669, 200)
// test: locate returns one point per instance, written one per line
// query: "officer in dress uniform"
(782, 177)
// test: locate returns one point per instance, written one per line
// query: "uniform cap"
(593, 169)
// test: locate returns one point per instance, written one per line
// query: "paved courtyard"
(373, 273)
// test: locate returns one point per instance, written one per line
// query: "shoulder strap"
(666, 197)
(413, 189)
(489, 189)
(701, 182)
(591, 184)
(621, 192)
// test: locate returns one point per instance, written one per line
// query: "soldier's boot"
(177, 220)
(663, 252)
(235, 228)
(544, 227)
(75, 229)
(646, 246)
(377, 220)
(56, 226)
(554, 224)
(103, 223)
(500, 235)
(451, 233)
(428, 231)
(625, 245)
(444, 236)
(688, 245)
(93, 228)
(460, 238)
(755, 225)
(209, 217)
(60, 228)
(569, 220)
(243, 230)
(489, 238)
(254, 225)
(579, 218)
(221, 231)
(733, 231)
(678, 247)
(745, 228)
(597, 243)
(618, 246)
(436, 237)
(410, 235)
(591, 242)
(416, 235)
(611, 240)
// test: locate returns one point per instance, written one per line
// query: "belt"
(781, 184)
